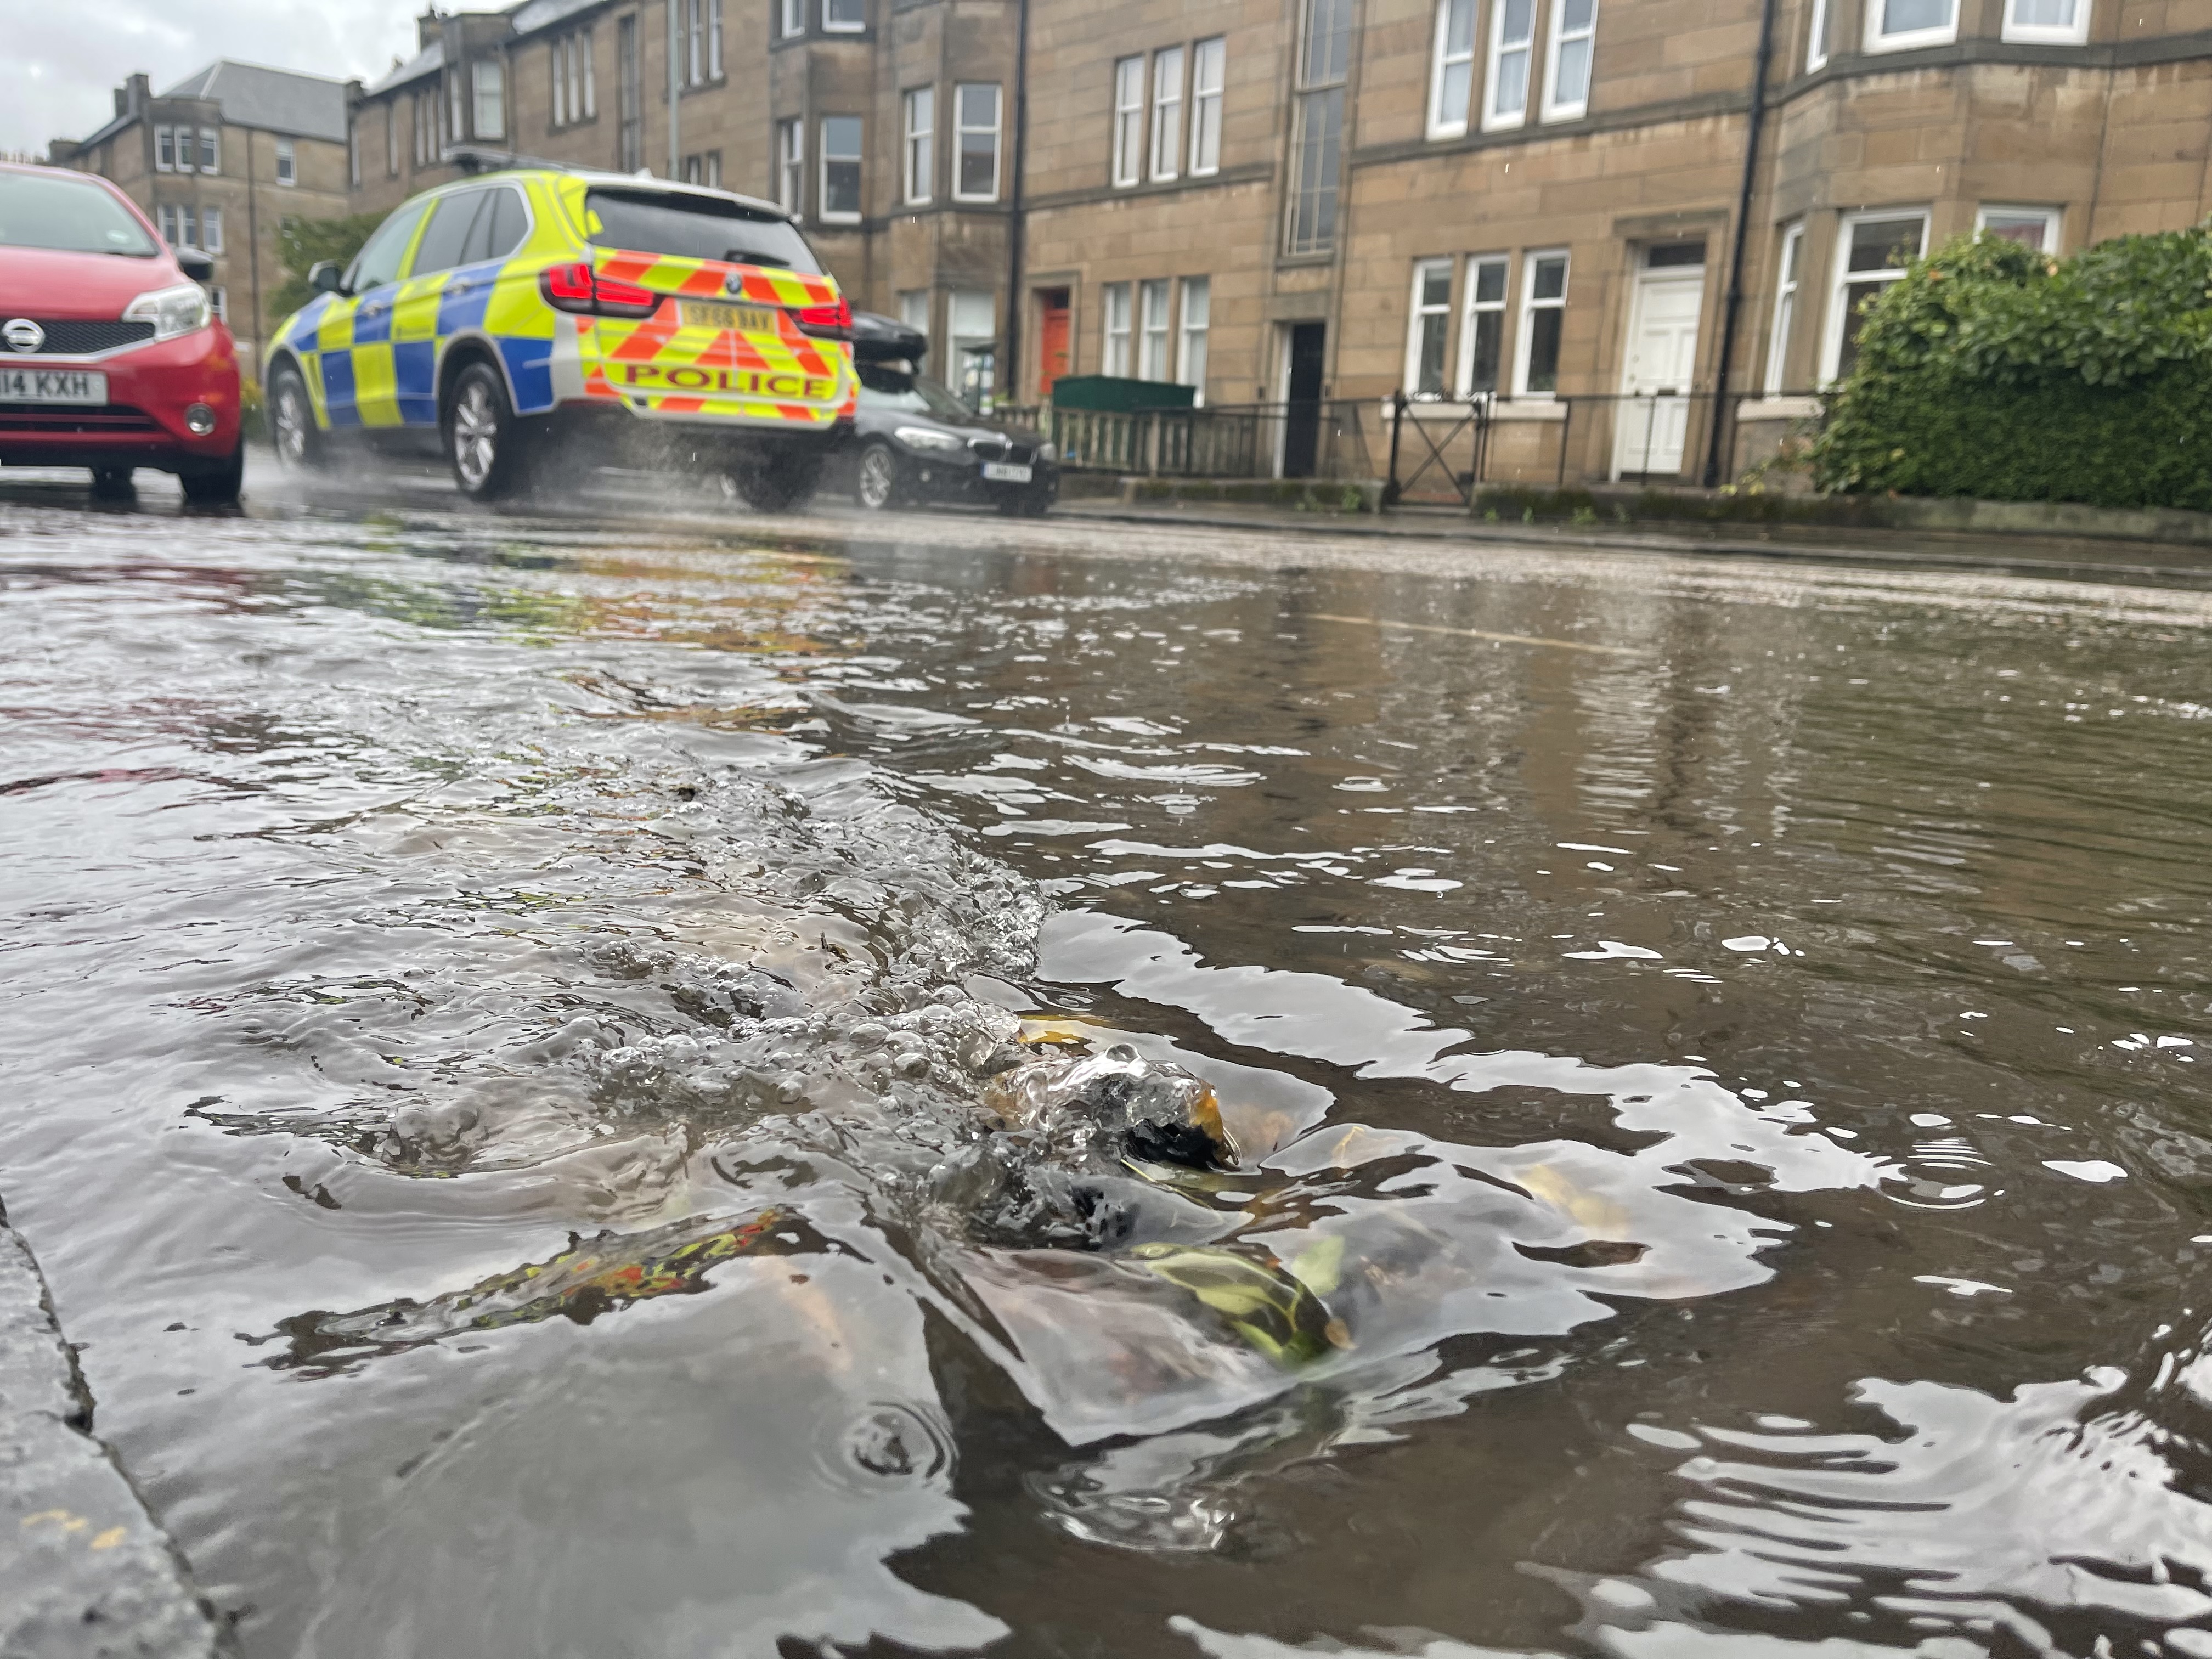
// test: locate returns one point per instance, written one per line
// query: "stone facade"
(263, 145)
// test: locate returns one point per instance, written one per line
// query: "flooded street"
(606, 1086)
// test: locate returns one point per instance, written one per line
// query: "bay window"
(1873, 250)
(841, 169)
(488, 83)
(976, 111)
(1785, 307)
(920, 170)
(1902, 25)
(2035, 227)
(2057, 22)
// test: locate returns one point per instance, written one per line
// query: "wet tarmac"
(632, 1080)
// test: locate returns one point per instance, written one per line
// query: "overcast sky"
(64, 59)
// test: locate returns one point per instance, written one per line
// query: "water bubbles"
(1946, 1174)
(889, 1444)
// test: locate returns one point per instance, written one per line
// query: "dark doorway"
(1302, 393)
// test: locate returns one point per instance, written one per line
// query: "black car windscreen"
(695, 227)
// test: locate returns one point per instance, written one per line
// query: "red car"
(111, 355)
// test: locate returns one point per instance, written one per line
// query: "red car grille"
(116, 420)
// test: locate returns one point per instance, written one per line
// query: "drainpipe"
(1010, 376)
(1753, 128)
(676, 95)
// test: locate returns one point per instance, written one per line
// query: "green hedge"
(1995, 371)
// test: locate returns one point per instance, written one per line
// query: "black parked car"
(914, 441)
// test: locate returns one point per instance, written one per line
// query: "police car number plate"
(746, 319)
(1005, 472)
(52, 385)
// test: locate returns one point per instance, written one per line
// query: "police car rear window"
(695, 228)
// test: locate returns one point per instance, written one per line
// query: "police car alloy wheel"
(480, 434)
(293, 419)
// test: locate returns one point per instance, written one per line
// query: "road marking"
(1477, 633)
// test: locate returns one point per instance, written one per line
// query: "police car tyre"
(111, 484)
(218, 486)
(876, 481)
(299, 443)
(781, 484)
(483, 440)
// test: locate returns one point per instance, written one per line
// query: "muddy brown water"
(496, 1009)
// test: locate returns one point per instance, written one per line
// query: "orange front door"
(1052, 342)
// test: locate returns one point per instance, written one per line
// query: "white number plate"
(52, 385)
(1005, 472)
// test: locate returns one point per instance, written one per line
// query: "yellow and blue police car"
(509, 312)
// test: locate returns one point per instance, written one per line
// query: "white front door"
(1653, 421)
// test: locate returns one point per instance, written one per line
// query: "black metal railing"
(1325, 438)
(1441, 452)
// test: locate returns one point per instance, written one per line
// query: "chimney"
(428, 28)
(136, 92)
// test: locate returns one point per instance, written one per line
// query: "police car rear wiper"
(738, 256)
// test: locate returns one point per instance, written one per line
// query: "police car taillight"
(578, 288)
(825, 322)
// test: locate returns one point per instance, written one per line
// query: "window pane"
(979, 142)
(2028, 230)
(844, 14)
(1856, 297)
(1489, 340)
(1451, 94)
(1884, 244)
(1550, 279)
(1908, 16)
(1428, 367)
(1544, 348)
(1574, 71)
(1313, 214)
(1490, 282)
(1328, 41)
(449, 233)
(696, 228)
(2043, 14)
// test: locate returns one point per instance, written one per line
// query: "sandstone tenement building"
(1551, 201)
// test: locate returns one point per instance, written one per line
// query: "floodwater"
(605, 1088)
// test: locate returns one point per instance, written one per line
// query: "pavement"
(85, 1570)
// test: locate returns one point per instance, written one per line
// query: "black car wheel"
(876, 483)
(292, 426)
(480, 439)
(218, 486)
(112, 483)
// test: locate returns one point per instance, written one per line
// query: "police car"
(514, 312)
